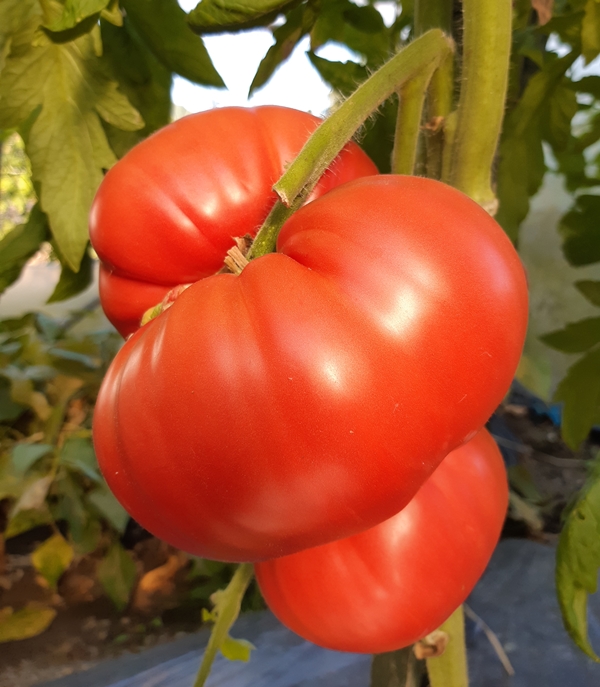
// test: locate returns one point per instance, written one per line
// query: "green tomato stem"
(436, 14)
(486, 53)
(228, 609)
(408, 124)
(332, 135)
(450, 669)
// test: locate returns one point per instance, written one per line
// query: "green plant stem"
(432, 14)
(333, 134)
(450, 669)
(229, 606)
(486, 52)
(408, 123)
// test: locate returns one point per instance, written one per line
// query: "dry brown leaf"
(158, 583)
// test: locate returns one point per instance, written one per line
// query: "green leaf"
(66, 143)
(360, 28)
(117, 575)
(286, 38)
(26, 520)
(344, 77)
(71, 283)
(576, 337)
(522, 166)
(108, 506)
(142, 77)
(20, 244)
(217, 16)
(25, 455)
(78, 454)
(578, 561)
(163, 26)
(28, 622)
(579, 229)
(590, 30)
(75, 11)
(590, 289)
(580, 393)
(14, 14)
(236, 649)
(562, 107)
(52, 558)
(520, 174)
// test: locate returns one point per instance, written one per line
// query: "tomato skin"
(308, 398)
(388, 587)
(168, 212)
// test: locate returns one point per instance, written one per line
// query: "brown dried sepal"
(431, 646)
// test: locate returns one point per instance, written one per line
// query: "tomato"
(167, 213)
(309, 398)
(390, 586)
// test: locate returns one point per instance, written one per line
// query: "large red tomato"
(167, 213)
(308, 398)
(393, 584)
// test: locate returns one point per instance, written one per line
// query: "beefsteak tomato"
(308, 398)
(388, 587)
(167, 213)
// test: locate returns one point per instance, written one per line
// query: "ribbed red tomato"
(308, 398)
(390, 586)
(167, 213)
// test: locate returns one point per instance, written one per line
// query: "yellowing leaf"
(28, 622)
(236, 649)
(52, 558)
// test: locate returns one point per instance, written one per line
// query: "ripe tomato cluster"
(268, 414)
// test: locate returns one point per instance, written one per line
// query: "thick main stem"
(332, 135)
(486, 52)
(450, 669)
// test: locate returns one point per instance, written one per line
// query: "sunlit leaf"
(578, 561)
(66, 144)
(75, 11)
(236, 649)
(34, 496)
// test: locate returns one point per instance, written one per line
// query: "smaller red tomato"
(389, 586)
